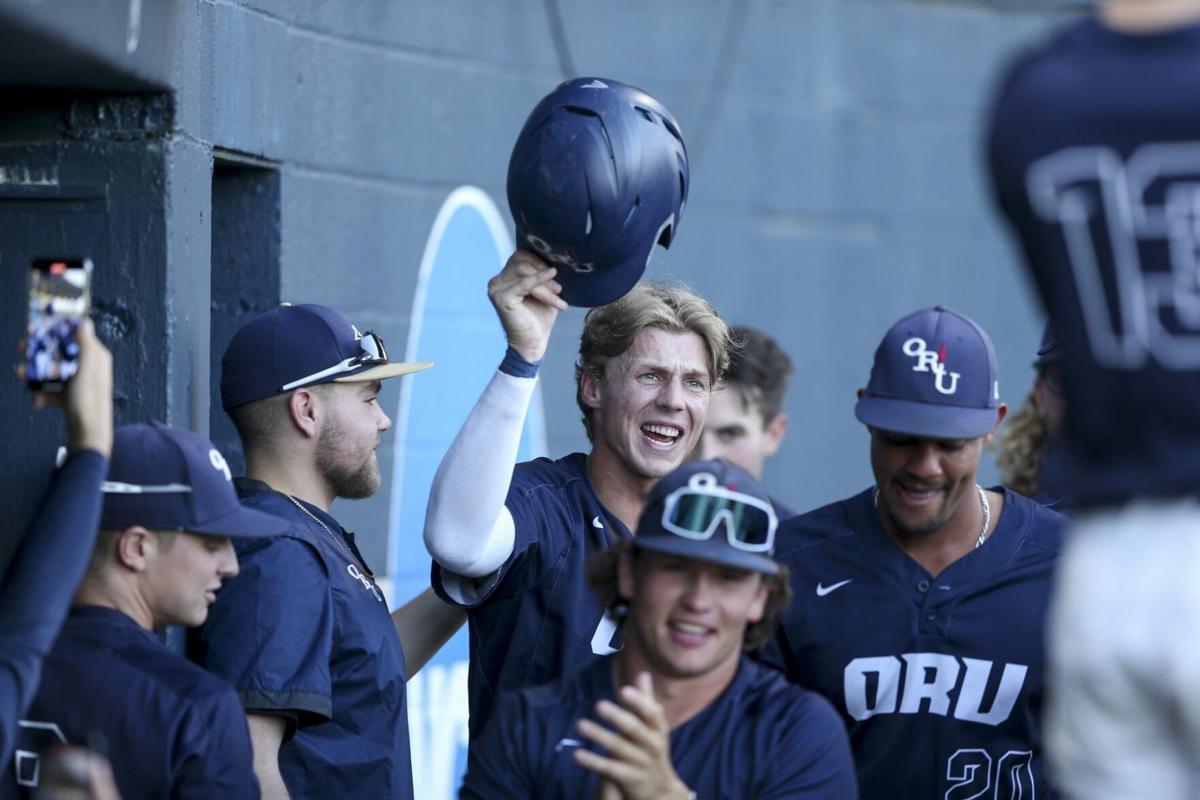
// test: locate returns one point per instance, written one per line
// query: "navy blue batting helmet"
(598, 176)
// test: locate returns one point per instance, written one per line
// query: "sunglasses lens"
(750, 525)
(694, 512)
(372, 345)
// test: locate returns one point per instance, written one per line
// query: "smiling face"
(925, 484)
(688, 618)
(183, 575)
(649, 405)
(734, 430)
(345, 455)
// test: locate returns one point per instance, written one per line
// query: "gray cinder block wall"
(836, 183)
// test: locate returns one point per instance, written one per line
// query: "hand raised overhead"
(525, 296)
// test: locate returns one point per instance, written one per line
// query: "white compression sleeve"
(468, 530)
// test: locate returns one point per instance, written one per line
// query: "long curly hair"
(1019, 447)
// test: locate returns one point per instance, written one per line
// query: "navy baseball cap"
(1048, 352)
(164, 478)
(293, 346)
(934, 376)
(711, 511)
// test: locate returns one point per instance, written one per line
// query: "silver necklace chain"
(983, 503)
(340, 546)
(987, 515)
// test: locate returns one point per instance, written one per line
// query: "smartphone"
(60, 295)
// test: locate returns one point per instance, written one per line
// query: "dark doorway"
(245, 269)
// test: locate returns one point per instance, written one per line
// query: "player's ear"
(1001, 411)
(303, 406)
(589, 387)
(134, 548)
(776, 429)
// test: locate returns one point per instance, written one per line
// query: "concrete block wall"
(836, 180)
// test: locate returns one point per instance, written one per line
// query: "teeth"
(662, 430)
(687, 627)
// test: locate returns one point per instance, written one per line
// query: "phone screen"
(59, 298)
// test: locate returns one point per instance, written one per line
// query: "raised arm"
(467, 528)
(42, 577)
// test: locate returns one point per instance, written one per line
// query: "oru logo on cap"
(930, 361)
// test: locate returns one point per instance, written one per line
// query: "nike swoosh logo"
(596, 523)
(565, 743)
(824, 590)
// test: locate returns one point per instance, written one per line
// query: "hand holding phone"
(59, 299)
(82, 383)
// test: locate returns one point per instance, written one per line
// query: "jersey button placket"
(925, 602)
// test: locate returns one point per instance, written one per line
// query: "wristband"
(515, 364)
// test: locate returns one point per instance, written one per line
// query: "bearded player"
(920, 603)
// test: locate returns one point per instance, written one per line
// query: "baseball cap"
(1048, 352)
(164, 478)
(934, 376)
(710, 511)
(302, 345)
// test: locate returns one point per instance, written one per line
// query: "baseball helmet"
(598, 176)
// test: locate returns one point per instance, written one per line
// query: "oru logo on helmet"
(932, 361)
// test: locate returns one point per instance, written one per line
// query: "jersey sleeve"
(214, 756)
(41, 580)
(543, 525)
(498, 764)
(270, 633)
(811, 758)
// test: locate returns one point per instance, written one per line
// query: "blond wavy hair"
(1019, 447)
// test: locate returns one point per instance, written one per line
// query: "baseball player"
(1103, 196)
(745, 424)
(40, 580)
(1025, 435)
(680, 711)
(919, 604)
(511, 545)
(304, 633)
(170, 728)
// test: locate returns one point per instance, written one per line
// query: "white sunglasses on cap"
(373, 352)
(696, 511)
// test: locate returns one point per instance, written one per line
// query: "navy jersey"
(41, 579)
(535, 619)
(939, 679)
(1094, 152)
(303, 633)
(169, 729)
(762, 738)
